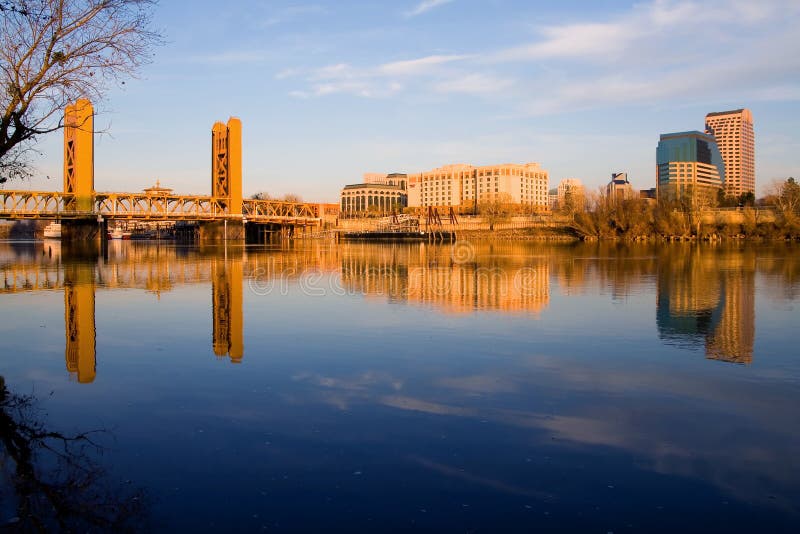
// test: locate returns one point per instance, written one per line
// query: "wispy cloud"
(416, 66)
(654, 52)
(425, 6)
(474, 84)
(379, 81)
(233, 56)
(290, 13)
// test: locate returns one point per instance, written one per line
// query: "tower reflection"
(226, 302)
(706, 298)
(79, 321)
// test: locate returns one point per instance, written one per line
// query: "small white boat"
(52, 231)
(119, 233)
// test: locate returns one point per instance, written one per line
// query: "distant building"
(372, 199)
(463, 185)
(395, 178)
(649, 194)
(733, 132)
(619, 188)
(688, 166)
(552, 198)
(570, 189)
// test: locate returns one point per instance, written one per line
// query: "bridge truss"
(145, 206)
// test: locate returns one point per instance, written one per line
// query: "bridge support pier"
(84, 237)
(263, 233)
(212, 231)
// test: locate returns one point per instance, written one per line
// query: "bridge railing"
(279, 210)
(34, 204)
(148, 206)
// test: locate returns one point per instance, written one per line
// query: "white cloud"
(233, 56)
(661, 26)
(288, 73)
(419, 65)
(425, 6)
(474, 84)
(291, 13)
(652, 53)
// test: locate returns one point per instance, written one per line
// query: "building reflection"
(706, 299)
(460, 279)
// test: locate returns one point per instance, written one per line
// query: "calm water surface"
(469, 387)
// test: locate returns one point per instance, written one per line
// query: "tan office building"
(464, 185)
(733, 131)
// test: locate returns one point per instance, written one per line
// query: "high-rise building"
(688, 166)
(733, 131)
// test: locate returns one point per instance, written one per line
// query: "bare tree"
(261, 195)
(55, 51)
(787, 196)
(292, 197)
(496, 209)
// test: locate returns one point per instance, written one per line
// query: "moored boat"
(52, 231)
(119, 233)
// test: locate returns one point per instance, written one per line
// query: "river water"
(480, 386)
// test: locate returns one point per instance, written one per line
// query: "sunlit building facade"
(688, 166)
(463, 185)
(570, 190)
(733, 132)
(378, 199)
(619, 188)
(394, 178)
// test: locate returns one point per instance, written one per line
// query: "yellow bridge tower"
(79, 155)
(226, 164)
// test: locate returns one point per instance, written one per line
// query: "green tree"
(55, 51)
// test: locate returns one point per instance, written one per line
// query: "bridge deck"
(144, 206)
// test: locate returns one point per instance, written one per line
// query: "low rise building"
(619, 188)
(394, 178)
(372, 199)
(570, 191)
(465, 186)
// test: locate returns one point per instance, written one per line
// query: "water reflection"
(52, 481)
(705, 295)
(226, 305)
(79, 320)
(464, 278)
(706, 298)
(517, 379)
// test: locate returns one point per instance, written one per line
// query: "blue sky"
(327, 91)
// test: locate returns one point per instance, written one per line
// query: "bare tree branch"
(53, 52)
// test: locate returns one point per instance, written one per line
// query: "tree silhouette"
(55, 51)
(53, 479)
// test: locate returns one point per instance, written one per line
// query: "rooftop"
(731, 112)
(691, 133)
(374, 186)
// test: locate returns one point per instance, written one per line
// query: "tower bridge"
(85, 213)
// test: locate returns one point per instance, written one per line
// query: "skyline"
(327, 92)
